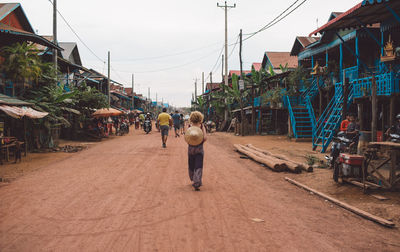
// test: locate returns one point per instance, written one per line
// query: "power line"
(174, 54)
(213, 70)
(234, 46)
(217, 61)
(277, 19)
(76, 34)
(175, 67)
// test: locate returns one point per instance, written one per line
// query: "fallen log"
(301, 166)
(346, 206)
(288, 164)
(273, 164)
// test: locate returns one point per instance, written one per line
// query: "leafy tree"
(296, 78)
(85, 99)
(217, 102)
(21, 63)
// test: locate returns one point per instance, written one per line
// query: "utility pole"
(195, 89)
(222, 68)
(108, 81)
(202, 82)
(211, 77)
(55, 36)
(225, 6)
(133, 96)
(241, 89)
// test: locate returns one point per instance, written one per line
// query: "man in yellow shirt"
(164, 121)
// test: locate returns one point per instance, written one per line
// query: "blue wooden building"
(356, 48)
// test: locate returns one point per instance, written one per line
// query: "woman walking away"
(195, 136)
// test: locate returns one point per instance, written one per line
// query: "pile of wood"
(275, 162)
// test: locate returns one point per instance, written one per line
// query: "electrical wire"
(234, 46)
(76, 34)
(177, 66)
(216, 62)
(173, 54)
(276, 20)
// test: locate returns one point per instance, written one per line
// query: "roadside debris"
(257, 220)
(275, 162)
(364, 214)
(69, 148)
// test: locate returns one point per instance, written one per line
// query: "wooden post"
(374, 104)
(25, 138)
(383, 120)
(242, 77)
(290, 133)
(260, 125)
(393, 164)
(320, 97)
(360, 116)
(253, 111)
(392, 115)
(345, 96)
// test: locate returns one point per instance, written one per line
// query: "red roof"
(212, 86)
(306, 41)
(237, 72)
(256, 66)
(340, 17)
(281, 58)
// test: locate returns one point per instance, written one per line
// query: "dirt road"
(129, 194)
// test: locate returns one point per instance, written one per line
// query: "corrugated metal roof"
(8, 100)
(282, 58)
(256, 66)
(237, 72)
(212, 86)
(7, 8)
(70, 52)
(6, 29)
(368, 12)
(306, 41)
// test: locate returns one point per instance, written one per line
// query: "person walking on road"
(176, 118)
(164, 121)
(195, 136)
(182, 125)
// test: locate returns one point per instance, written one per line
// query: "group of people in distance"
(195, 136)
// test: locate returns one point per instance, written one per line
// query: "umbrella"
(106, 112)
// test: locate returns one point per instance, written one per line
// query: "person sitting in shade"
(345, 123)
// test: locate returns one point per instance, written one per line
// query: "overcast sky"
(169, 43)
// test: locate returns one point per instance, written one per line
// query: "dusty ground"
(129, 194)
(321, 179)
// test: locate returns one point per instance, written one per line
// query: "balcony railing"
(351, 73)
(386, 84)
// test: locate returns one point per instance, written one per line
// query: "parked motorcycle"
(343, 164)
(124, 128)
(394, 138)
(147, 126)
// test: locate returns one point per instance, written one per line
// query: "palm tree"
(21, 63)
